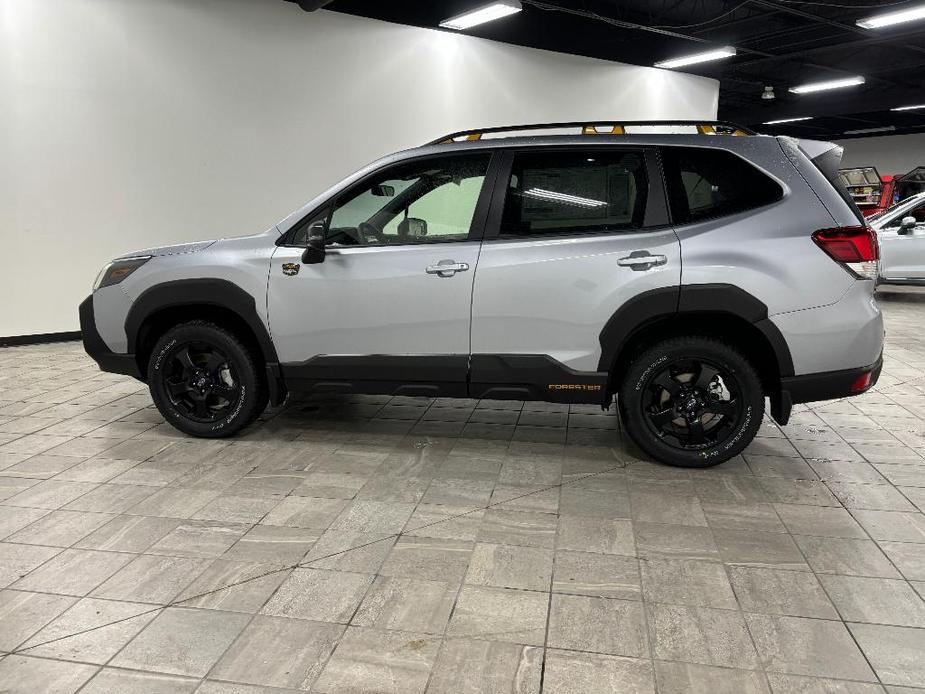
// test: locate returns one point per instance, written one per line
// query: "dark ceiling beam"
(851, 43)
(852, 28)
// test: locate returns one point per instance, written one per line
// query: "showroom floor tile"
(375, 544)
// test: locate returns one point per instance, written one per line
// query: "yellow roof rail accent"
(592, 128)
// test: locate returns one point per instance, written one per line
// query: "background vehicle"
(509, 263)
(901, 233)
(873, 193)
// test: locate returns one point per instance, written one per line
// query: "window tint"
(426, 201)
(705, 183)
(575, 192)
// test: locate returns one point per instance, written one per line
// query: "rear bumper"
(97, 348)
(831, 385)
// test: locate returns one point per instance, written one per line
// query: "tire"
(205, 381)
(691, 402)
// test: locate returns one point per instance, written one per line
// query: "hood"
(178, 249)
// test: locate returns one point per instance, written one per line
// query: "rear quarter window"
(709, 183)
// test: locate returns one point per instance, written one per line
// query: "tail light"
(854, 247)
(862, 382)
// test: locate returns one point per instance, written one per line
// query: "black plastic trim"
(497, 376)
(828, 385)
(38, 339)
(633, 315)
(207, 292)
(98, 350)
(672, 302)
(533, 377)
(441, 375)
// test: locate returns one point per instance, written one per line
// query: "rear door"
(574, 233)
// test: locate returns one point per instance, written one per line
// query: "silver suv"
(689, 276)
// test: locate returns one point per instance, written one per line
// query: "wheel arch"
(218, 301)
(722, 311)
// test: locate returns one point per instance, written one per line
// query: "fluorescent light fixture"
(828, 84)
(716, 54)
(864, 131)
(480, 15)
(907, 108)
(888, 19)
(563, 198)
(786, 120)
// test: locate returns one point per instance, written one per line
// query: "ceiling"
(780, 43)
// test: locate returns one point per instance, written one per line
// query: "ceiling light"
(564, 198)
(829, 84)
(888, 19)
(907, 108)
(480, 15)
(864, 131)
(716, 54)
(786, 120)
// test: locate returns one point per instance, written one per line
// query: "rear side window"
(574, 192)
(708, 183)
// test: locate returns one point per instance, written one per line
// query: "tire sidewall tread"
(630, 393)
(253, 387)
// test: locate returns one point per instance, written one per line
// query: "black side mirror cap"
(907, 225)
(314, 252)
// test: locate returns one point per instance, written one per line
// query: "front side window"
(426, 201)
(707, 183)
(571, 192)
(917, 211)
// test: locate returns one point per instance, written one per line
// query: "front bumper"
(97, 348)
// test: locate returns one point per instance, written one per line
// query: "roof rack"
(606, 127)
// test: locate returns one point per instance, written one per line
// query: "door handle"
(446, 268)
(642, 260)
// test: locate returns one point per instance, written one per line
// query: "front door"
(902, 255)
(581, 232)
(388, 309)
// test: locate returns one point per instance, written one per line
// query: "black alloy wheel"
(201, 382)
(691, 401)
(692, 404)
(205, 381)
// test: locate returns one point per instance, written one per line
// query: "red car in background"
(874, 193)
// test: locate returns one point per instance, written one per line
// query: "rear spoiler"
(827, 156)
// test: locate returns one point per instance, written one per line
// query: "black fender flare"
(207, 292)
(667, 302)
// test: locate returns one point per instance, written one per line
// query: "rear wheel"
(691, 402)
(205, 381)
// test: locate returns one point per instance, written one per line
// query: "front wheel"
(204, 380)
(691, 402)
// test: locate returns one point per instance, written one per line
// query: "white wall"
(134, 123)
(891, 154)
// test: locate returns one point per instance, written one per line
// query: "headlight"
(118, 270)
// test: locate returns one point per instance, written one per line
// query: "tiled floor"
(402, 545)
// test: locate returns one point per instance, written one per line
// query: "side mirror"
(314, 251)
(907, 224)
(383, 191)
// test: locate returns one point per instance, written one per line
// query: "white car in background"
(901, 232)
